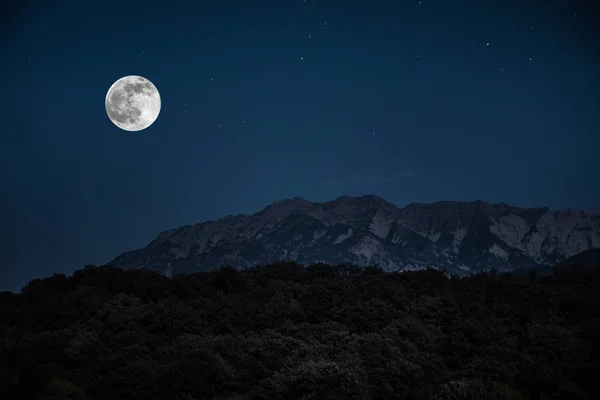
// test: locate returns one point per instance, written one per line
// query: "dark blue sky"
(415, 101)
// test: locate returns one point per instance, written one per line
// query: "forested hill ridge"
(284, 331)
(460, 237)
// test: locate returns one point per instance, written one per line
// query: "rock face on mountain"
(457, 236)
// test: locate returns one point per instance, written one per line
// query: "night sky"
(415, 101)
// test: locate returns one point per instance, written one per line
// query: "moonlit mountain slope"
(457, 236)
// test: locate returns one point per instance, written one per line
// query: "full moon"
(132, 103)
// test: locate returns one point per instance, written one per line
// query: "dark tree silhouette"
(282, 331)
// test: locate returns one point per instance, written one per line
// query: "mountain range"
(460, 237)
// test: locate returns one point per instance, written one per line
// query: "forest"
(285, 331)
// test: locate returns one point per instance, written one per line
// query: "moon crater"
(133, 103)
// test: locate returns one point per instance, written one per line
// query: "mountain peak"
(367, 199)
(461, 237)
(370, 197)
(288, 204)
(295, 199)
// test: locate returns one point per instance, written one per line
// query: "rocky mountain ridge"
(461, 237)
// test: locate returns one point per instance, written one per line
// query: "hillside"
(283, 331)
(589, 258)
